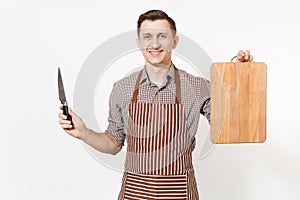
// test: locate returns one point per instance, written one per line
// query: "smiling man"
(156, 110)
(156, 39)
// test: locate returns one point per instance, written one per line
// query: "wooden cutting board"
(238, 102)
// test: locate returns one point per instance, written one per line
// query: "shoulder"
(193, 80)
(126, 84)
(129, 79)
(195, 87)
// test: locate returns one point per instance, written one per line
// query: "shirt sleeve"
(205, 99)
(115, 128)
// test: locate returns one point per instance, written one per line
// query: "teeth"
(155, 52)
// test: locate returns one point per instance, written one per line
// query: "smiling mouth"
(155, 53)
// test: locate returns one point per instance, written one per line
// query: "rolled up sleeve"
(205, 99)
(115, 128)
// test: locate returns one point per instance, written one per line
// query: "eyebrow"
(147, 33)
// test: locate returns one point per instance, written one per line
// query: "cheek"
(167, 45)
(145, 52)
(145, 44)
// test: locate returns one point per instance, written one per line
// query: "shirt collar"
(170, 76)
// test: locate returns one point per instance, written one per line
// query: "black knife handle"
(66, 112)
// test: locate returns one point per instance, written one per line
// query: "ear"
(138, 43)
(175, 41)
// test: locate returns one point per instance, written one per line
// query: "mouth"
(155, 53)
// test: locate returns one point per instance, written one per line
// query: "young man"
(157, 111)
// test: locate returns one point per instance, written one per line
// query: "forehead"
(160, 25)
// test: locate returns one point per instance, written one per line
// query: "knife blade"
(62, 97)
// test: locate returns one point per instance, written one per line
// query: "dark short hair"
(155, 15)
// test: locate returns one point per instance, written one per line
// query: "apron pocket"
(144, 186)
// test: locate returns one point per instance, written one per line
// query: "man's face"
(156, 42)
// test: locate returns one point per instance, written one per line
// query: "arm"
(101, 142)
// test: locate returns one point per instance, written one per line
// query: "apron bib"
(158, 162)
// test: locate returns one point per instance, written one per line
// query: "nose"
(155, 44)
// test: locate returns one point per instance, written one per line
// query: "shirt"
(195, 97)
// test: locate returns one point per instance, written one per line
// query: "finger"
(71, 111)
(60, 107)
(247, 52)
(62, 116)
(241, 58)
(250, 58)
(62, 121)
(241, 53)
(66, 126)
(247, 55)
(73, 114)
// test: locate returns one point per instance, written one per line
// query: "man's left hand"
(244, 56)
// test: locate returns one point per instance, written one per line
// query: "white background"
(40, 161)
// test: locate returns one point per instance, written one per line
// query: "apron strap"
(178, 86)
(177, 81)
(136, 87)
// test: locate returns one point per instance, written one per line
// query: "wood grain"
(238, 102)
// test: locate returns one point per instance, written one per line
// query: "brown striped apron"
(159, 151)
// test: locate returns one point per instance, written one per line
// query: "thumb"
(73, 114)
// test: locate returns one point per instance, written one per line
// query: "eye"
(163, 36)
(146, 37)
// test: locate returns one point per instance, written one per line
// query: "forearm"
(100, 142)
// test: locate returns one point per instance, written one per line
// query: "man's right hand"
(78, 129)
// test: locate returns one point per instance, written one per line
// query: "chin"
(158, 64)
(155, 62)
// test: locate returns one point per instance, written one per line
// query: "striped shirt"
(195, 97)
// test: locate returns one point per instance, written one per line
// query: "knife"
(62, 97)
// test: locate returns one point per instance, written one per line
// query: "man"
(157, 111)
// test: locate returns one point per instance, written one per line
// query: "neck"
(157, 74)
